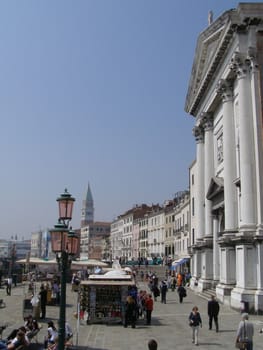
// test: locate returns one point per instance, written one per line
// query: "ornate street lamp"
(64, 244)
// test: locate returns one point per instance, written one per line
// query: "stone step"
(207, 293)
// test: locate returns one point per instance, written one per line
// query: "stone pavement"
(169, 324)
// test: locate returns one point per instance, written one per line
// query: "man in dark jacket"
(164, 289)
(213, 311)
(182, 293)
(43, 301)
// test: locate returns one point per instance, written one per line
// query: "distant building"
(4, 249)
(36, 244)
(93, 240)
(181, 225)
(129, 233)
(94, 236)
(156, 232)
(116, 239)
(20, 248)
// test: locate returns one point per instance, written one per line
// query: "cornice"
(231, 22)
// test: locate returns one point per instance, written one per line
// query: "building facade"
(156, 224)
(181, 225)
(169, 214)
(116, 238)
(94, 240)
(224, 97)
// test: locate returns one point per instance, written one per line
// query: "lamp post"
(64, 244)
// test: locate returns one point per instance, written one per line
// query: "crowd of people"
(139, 306)
(20, 338)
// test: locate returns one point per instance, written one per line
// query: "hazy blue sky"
(94, 91)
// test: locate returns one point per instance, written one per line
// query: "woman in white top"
(52, 332)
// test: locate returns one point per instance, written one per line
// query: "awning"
(178, 263)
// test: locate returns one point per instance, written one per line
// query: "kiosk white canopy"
(88, 263)
(36, 261)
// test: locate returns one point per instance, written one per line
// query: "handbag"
(241, 344)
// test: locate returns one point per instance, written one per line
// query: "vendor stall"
(103, 297)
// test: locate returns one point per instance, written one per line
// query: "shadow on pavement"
(79, 347)
(202, 343)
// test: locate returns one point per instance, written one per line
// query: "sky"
(94, 92)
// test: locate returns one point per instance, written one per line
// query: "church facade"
(225, 98)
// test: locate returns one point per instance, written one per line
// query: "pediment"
(211, 46)
(216, 186)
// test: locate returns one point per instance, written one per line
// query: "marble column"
(209, 168)
(258, 137)
(200, 195)
(240, 67)
(225, 89)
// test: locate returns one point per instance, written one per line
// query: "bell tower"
(87, 211)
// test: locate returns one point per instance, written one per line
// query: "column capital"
(198, 133)
(207, 120)
(252, 58)
(225, 89)
(239, 65)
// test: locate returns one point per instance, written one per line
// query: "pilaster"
(216, 261)
(227, 268)
(246, 274)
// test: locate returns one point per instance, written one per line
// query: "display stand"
(104, 299)
(27, 308)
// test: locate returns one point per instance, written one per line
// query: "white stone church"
(226, 180)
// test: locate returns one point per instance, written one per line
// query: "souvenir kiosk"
(102, 297)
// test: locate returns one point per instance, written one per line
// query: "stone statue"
(210, 17)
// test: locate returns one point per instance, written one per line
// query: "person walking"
(245, 332)
(213, 311)
(182, 293)
(149, 308)
(155, 290)
(164, 289)
(43, 301)
(8, 285)
(194, 322)
(130, 312)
